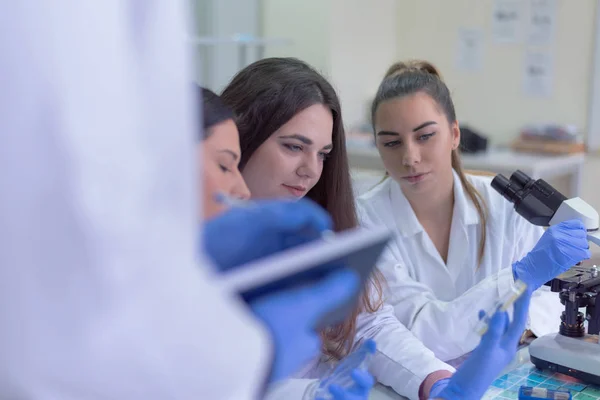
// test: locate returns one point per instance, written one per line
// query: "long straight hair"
(264, 96)
(214, 111)
(406, 78)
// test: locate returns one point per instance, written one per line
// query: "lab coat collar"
(463, 206)
(406, 219)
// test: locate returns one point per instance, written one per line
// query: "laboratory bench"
(520, 372)
(367, 170)
(497, 160)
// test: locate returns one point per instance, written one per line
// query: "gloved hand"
(497, 348)
(561, 247)
(363, 383)
(349, 380)
(438, 387)
(292, 314)
(261, 229)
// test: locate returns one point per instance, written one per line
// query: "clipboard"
(357, 249)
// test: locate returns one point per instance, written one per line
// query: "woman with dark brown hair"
(459, 245)
(293, 145)
(220, 147)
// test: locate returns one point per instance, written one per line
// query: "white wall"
(306, 23)
(363, 46)
(352, 42)
(217, 19)
(201, 26)
(232, 17)
(493, 100)
(593, 137)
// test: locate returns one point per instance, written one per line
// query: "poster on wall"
(538, 73)
(469, 55)
(541, 22)
(507, 19)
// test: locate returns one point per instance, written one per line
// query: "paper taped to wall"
(538, 73)
(469, 55)
(507, 21)
(542, 22)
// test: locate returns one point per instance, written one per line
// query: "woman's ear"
(455, 132)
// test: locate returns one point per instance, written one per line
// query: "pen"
(501, 305)
(230, 201)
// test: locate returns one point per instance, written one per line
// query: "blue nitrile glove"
(363, 383)
(438, 387)
(244, 234)
(560, 247)
(349, 380)
(291, 316)
(497, 349)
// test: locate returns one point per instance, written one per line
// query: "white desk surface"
(380, 392)
(494, 159)
(497, 160)
(502, 159)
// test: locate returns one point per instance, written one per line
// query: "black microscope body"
(537, 202)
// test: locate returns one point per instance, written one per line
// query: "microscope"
(571, 351)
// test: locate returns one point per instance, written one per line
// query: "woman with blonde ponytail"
(459, 245)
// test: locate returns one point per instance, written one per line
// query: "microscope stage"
(577, 357)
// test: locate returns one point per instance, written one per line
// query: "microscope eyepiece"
(505, 187)
(520, 178)
(534, 200)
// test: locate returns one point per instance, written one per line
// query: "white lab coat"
(439, 302)
(402, 361)
(100, 294)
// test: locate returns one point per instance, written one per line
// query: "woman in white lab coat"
(455, 237)
(100, 289)
(96, 303)
(293, 145)
(220, 150)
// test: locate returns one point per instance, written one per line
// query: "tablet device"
(357, 249)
